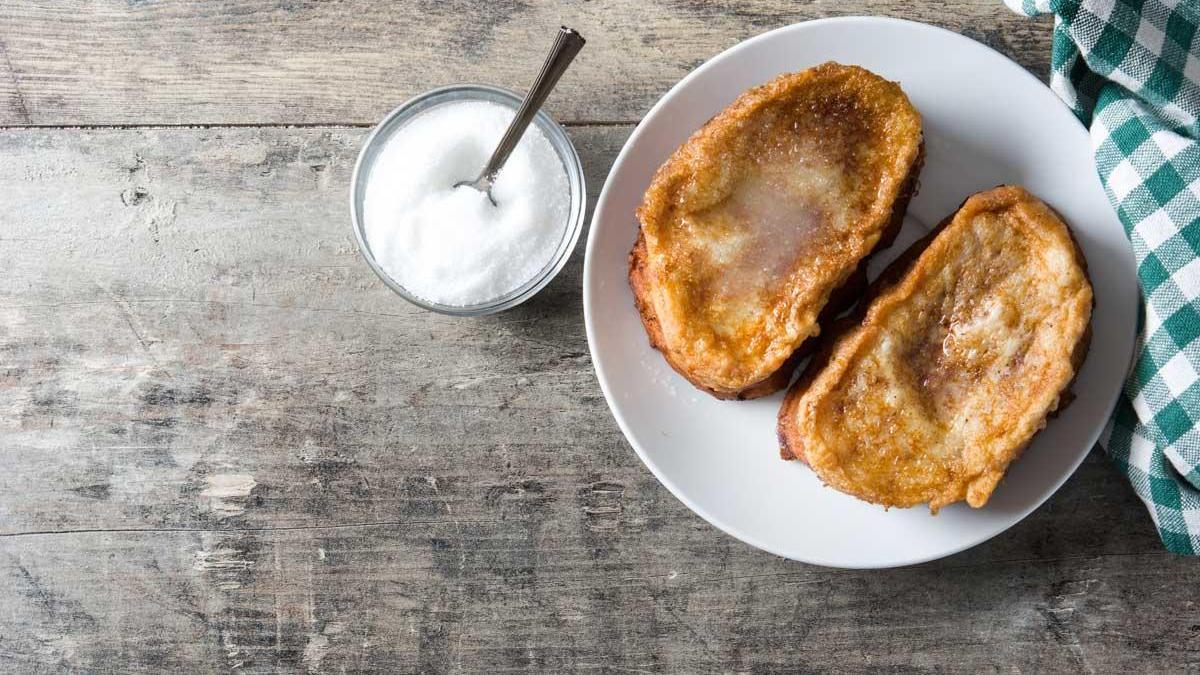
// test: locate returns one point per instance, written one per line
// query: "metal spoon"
(566, 46)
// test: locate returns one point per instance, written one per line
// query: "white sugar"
(450, 245)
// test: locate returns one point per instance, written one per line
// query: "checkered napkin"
(1130, 69)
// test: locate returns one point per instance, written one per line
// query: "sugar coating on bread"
(959, 358)
(751, 226)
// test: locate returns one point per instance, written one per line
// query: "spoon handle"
(566, 46)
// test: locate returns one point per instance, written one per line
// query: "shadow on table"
(1096, 512)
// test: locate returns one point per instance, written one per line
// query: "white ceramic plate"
(987, 121)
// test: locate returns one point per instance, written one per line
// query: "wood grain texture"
(228, 447)
(105, 62)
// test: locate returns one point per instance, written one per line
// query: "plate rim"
(602, 377)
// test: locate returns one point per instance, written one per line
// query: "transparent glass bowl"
(471, 92)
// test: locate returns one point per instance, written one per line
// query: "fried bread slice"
(750, 228)
(967, 343)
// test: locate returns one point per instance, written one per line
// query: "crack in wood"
(234, 530)
(22, 107)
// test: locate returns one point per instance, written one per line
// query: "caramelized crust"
(752, 226)
(969, 341)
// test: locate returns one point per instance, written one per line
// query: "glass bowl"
(562, 145)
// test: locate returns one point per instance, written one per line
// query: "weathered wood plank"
(244, 451)
(170, 296)
(477, 599)
(269, 61)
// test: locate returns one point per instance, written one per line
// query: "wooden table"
(227, 446)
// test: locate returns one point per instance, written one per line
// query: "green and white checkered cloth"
(1130, 69)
